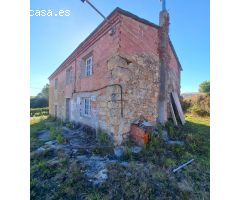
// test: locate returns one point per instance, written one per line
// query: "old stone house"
(126, 68)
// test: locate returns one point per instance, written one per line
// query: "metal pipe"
(184, 165)
(104, 88)
(163, 5)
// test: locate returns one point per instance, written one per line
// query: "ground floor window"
(87, 106)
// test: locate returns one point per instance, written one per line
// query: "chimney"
(164, 61)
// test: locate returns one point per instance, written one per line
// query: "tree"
(205, 87)
(44, 93)
(41, 100)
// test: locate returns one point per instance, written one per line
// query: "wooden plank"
(173, 114)
(179, 107)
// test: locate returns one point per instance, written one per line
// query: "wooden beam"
(179, 107)
(173, 114)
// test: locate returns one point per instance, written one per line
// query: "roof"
(123, 12)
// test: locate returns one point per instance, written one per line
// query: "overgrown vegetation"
(41, 100)
(148, 175)
(205, 87)
(197, 104)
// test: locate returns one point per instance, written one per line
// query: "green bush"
(60, 139)
(103, 138)
(56, 134)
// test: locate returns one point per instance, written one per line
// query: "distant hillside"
(190, 94)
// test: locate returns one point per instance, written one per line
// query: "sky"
(53, 38)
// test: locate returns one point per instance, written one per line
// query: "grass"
(148, 175)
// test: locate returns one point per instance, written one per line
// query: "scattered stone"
(40, 150)
(44, 135)
(52, 142)
(124, 164)
(171, 142)
(118, 151)
(101, 177)
(53, 162)
(128, 174)
(136, 149)
(165, 135)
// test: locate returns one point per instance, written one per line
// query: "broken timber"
(178, 107)
(173, 114)
(183, 165)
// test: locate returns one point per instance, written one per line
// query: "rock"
(100, 177)
(118, 151)
(124, 164)
(147, 124)
(53, 162)
(136, 149)
(165, 135)
(44, 135)
(50, 143)
(40, 150)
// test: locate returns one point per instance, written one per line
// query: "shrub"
(205, 87)
(103, 138)
(56, 134)
(60, 139)
(198, 104)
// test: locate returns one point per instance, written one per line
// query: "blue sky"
(54, 38)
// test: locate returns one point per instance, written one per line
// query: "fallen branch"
(183, 165)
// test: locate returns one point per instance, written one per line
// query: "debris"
(173, 142)
(50, 143)
(40, 150)
(44, 135)
(165, 136)
(141, 130)
(183, 165)
(173, 115)
(118, 151)
(124, 164)
(178, 107)
(136, 149)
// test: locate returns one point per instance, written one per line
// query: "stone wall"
(129, 58)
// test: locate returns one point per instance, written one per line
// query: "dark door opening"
(55, 111)
(68, 109)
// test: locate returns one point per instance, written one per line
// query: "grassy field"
(148, 176)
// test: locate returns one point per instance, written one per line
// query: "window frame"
(69, 76)
(89, 66)
(56, 83)
(87, 106)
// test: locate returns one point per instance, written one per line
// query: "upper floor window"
(69, 76)
(56, 84)
(89, 66)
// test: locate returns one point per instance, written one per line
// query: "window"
(87, 106)
(69, 76)
(89, 66)
(56, 84)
